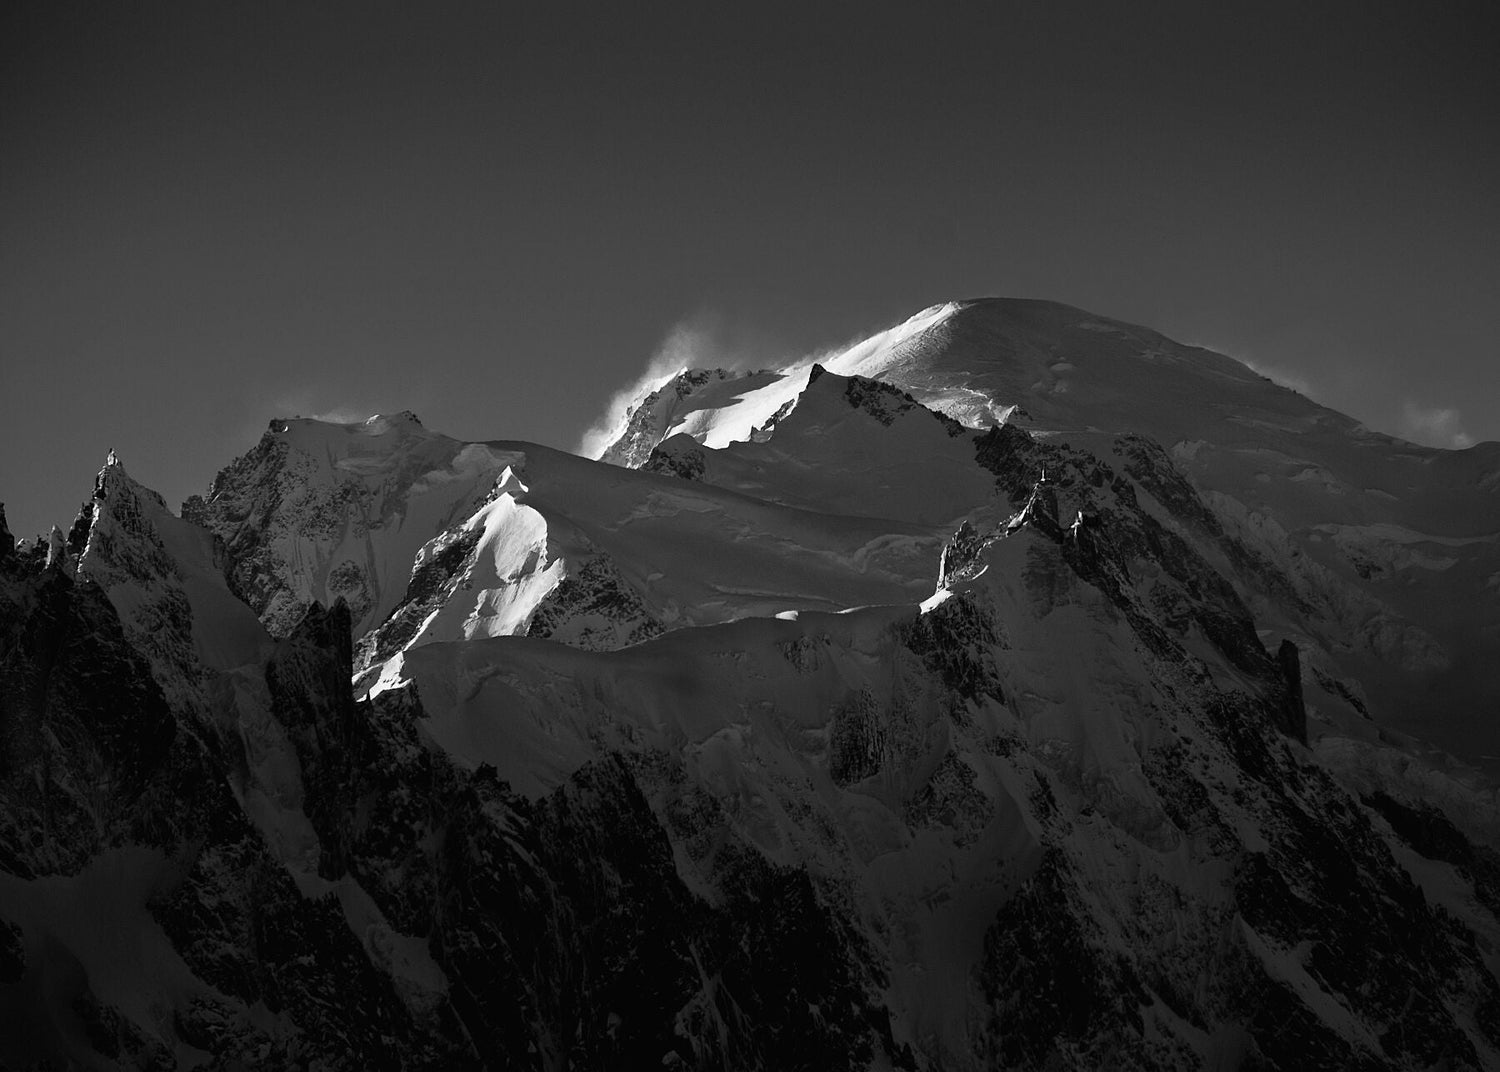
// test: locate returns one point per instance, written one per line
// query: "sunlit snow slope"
(1380, 556)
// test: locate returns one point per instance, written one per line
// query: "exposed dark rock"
(439, 569)
(1330, 887)
(1340, 689)
(85, 731)
(856, 739)
(12, 953)
(1432, 834)
(636, 443)
(561, 924)
(308, 680)
(951, 801)
(679, 456)
(595, 609)
(791, 966)
(247, 502)
(195, 509)
(242, 925)
(767, 430)
(1294, 712)
(956, 642)
(960, 556)
(1152, 468)
(1124, 531)
(805, 653)
(886, 403)
(1054, 988)
(78, 534)
(1186, 800)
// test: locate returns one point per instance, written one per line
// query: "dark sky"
(213, 214)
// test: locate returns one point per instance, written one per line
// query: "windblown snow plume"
(1292, 381)
(704, 341)
(306, 405)
(1434, 426)
(688, 343)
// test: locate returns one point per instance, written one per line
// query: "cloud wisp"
(1290, 380)
(679, 350)
(1433, 426)
(308, 406)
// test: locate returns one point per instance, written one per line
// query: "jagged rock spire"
(1040, 509)
(1294, 709)
(960, 555)
(56, 548)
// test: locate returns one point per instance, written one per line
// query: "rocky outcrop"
(1294, 709)
(648, 420)
(316, 512)
(678, 456)
(124, 810)
(882, 401)
(1118, 532)
(238, 507)
(594, 609)
(439, 569)
(87, 732)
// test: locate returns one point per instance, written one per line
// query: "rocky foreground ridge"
(1016, 689)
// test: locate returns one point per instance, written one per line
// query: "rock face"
(648, 419)
(318, 512)
(881, 732)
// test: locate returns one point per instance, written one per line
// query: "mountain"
(1379, 558)
(427, 539)
(1016, 688)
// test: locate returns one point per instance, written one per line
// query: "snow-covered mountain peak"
(883, 349)
(976, 360)
(319, 511)
(714, 406)
(846, 444)
(115, 527)
(865, 725)
(374, 424)
(718, 407)
(349, 445)
(1379, 540)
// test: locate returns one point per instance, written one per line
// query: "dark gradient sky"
(214, 214)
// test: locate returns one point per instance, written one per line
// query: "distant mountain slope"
(1382, 557)
(461, 540)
